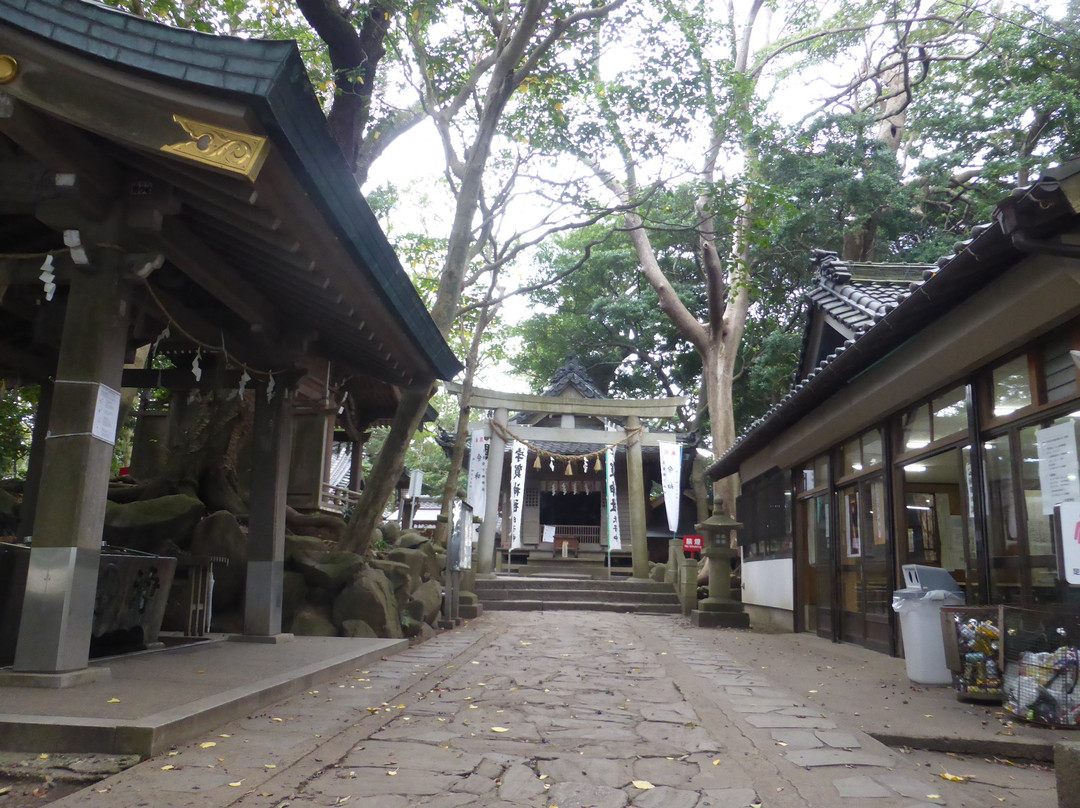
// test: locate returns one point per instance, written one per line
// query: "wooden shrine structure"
(165, 187)
(569, 420)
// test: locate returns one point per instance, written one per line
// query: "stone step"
(491, 595)
(534, 582)
(587, 606)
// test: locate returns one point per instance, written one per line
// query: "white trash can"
(920, 625)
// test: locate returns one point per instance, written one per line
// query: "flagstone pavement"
(566, 709)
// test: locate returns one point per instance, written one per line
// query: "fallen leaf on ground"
(225, 735)
(168, 768)
(279, 720)
(237, 783)
(499, 729)
(113, 701)
(208, 744)
(392, 772)
(644, 785)
(953, 778)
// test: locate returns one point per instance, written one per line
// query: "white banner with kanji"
(671, 477)
(611, 501)
(476, 493)
(519, 453)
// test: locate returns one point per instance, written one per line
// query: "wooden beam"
(216, 188)
(554, 434)
(188, 253)
(599, 407)
(24, 362)
(193, 323)
(61, 147)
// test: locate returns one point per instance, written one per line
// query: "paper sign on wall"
(1059, 474)
(1070, 541)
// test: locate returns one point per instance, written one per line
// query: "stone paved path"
(546, 709)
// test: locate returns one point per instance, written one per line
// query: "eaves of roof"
(270, 76)
(1037, 211)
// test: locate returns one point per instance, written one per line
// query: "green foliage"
(17, 407)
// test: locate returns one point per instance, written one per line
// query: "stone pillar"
(674, 553)
(270, 453)
(1067, 769)
(687, 584)
(719, 610)
(34, 462)
(58, 607)
(635, 491)
(486, 551)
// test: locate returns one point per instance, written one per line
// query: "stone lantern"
(719, 609)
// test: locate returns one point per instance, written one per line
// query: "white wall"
(768, 583)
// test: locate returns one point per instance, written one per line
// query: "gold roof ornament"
(9, 68)
(236, 152)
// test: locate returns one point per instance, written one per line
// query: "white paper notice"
(1059, 474)
(106, 412)
(1070, 541)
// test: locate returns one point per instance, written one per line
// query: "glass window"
(1004, 524)
(1059, 370)
(871, 449)
(1012, 387)
(815, 474)
(852, 457)
(917, 428)
(950, 413)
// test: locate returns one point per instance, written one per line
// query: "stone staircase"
(541, 593)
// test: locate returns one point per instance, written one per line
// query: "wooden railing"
(585, 534)
(337, 499)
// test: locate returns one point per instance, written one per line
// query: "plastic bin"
(919, 607)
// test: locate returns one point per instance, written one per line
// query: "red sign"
(691, 544)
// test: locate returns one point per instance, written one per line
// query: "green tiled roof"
(270, 76)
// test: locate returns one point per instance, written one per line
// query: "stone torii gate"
(629, 411)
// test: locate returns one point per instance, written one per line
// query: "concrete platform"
(153, 700)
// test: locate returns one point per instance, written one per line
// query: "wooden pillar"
(635, 490)
(58, 607)
(485, 562)
(35, 460)
(356, 465)
(270, 452)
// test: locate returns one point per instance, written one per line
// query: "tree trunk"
(386, 470)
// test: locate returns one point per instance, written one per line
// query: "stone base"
(54, 681)
(1067, 770)
(470, 611)
(710, 619)
(266, 639)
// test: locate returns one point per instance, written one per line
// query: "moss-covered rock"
(369, 597)
(293, 595)
(329, 570)
(410, 627)
(398, 576)
(357, 629)
(411, 540)
(414, 560)
(430, 595)
(150, 525)
(299, 546)
(391, 531)
(312, 621)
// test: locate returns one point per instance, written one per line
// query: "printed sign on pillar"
(476, 493)
(671, 476)
(519, 453)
